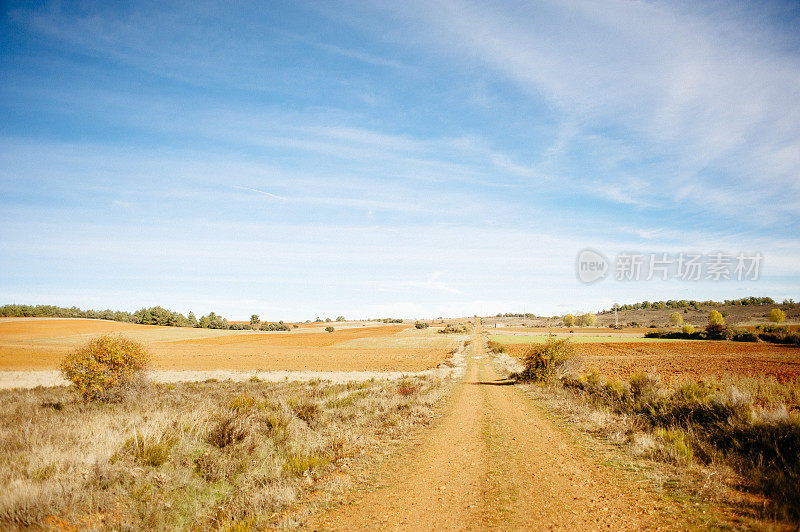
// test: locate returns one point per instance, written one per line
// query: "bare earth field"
(40, 344)
(692, 358)
(582, 331)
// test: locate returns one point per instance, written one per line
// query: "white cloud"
(707, 91)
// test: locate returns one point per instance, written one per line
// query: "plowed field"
(38, 344)
(677, 359)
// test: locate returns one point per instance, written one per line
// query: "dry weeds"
(220, 455)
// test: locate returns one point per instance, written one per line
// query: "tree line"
(683, 303)
(146, 316)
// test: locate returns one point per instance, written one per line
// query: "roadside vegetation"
(455, 328)
(212, 455)
(748, 424)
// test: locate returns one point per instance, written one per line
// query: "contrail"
(261, 192)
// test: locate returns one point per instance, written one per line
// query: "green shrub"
(675, 318)
(280, 326)
(687, 333)
(495, 347)
(772, 329)
(106, 368)
(542, 362)
(777, 334)
(421, 325)
(454, 328)
(329, 329)
(741, 335)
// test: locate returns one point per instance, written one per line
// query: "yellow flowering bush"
(106, 367)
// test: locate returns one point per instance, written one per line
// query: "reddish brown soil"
(41, 344)
(577, 330)
(296, 339)
(692, 358)
(43, 329)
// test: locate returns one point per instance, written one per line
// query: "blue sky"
(392, 158)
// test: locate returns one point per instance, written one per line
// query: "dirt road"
(495, 462)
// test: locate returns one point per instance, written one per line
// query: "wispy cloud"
(686, 84)
(262, 192)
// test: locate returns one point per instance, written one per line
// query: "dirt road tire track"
(496, 462)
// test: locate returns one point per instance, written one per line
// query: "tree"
(715, 318)
(569, 320)
(254, 319)
(776, 315)
(213, 321)
(687, 329)
(587, 320)
(675, 319)
(340, 318)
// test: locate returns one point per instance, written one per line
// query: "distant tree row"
(683, 303)
(145, 316)
(50, 311)
(513, 315)
(327, 320)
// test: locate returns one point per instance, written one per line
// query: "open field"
(677, 359)
(577, 338)
(586, 331)
(40, 344)
(321, 454)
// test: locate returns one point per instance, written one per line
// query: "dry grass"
(218, 455)
(663, 459)
(696, 430)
